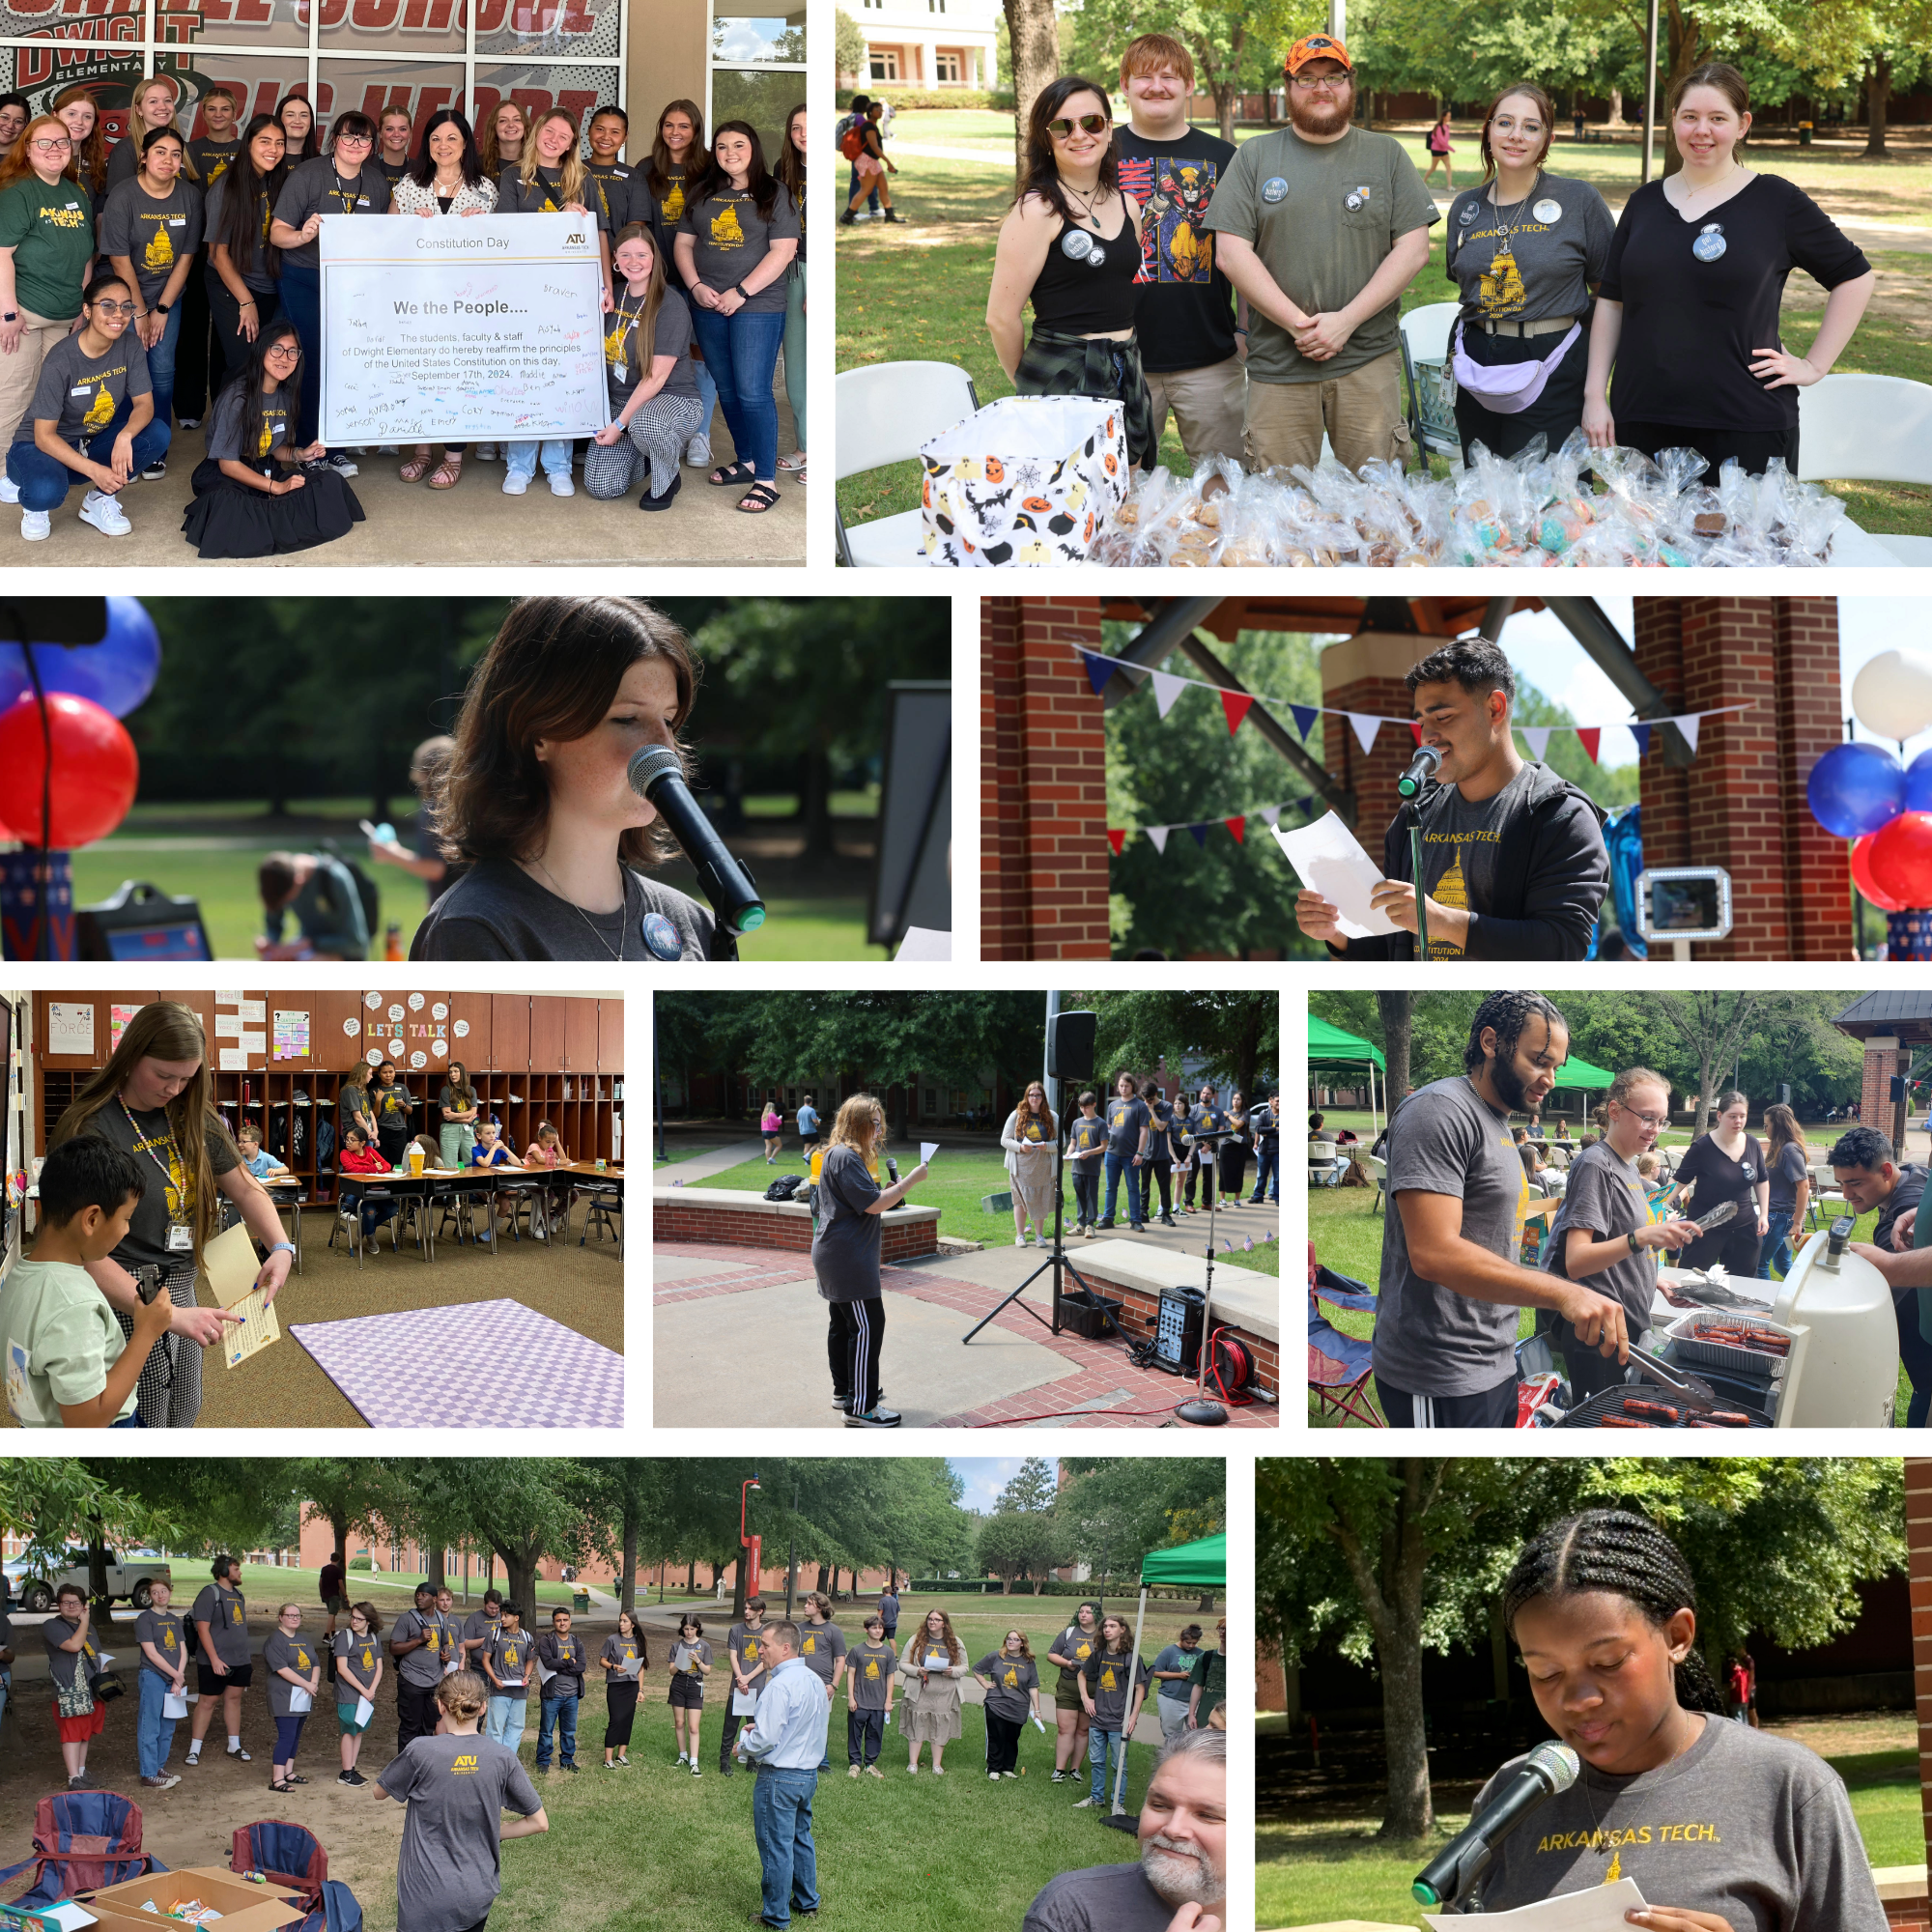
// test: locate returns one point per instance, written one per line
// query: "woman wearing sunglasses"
(1071, 246)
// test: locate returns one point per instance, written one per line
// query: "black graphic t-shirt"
(1187, 316)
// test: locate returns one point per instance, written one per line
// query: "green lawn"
(269, 1582)
(903, 297)
(681, 1154)
(1312, 1874)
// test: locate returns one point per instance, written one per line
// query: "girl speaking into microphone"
(536, 797)
(1723, 1828)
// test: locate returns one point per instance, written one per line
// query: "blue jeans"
(153, 1734)
(521, 457)
(1268, 1172)
(1118, 1164)
(299, 292)
(44, 480)
(782, 1824)
(1099, 1744)
(741, 353)
(161, 367)
(504, 1721)
(794, 348)
(1085, 1193)
(1775, 1247)
(559, 1714)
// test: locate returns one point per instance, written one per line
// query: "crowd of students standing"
(175, 280)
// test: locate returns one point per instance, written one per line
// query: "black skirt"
(1553, 415)
(229, 520)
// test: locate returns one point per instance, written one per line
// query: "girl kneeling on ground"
(654, 405)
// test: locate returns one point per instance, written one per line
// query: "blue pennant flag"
(1642, 733)
(1199, 832)
(1305, 716)
(1099, 668)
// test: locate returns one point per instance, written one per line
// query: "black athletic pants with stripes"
(852, 1342)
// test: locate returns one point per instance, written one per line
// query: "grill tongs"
(1667, 1375)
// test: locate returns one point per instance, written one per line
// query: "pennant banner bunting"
(1366, 729)
(1236, 705)
(1590, 737)
(1159, 834)
(1199, 832)
(1305, 716)
(1237, 826)
(1642, 733)
(1100, 669)
(1689, 725)
(1166, 690)
(1537, 738)
(1117, 837)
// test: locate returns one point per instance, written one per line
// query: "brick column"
(1365, 673)
(1884, 1057)
(1043, 853)
(1818, 867)
(1918, 1547)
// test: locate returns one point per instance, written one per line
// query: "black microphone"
(1421, 767)
(1452, 1873)
(657, 773)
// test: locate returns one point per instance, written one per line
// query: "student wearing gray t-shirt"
(654, 405)
(868, 1697)
(1604, 1235)
(149, 231)
(1451, 1289)
(624, 1658)
(734, 249)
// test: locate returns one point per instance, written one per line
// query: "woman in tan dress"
(930, 1668)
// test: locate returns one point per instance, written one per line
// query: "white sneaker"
(9, 491)
(1020, 1240)
(486, 452)
(36, 525)
(561, 484)
(106, 514)
(515, 483)
(697, 451)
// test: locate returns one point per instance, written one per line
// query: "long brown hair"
(654, 292)
(1543, 106)
(492, 156)
(924, 1635)
(460, 1090)
(1721, 75)
(1781, 1124)
(697, 158)
(1040, 172)
(14, 164)
(163, 1029)
(845, 1126)
(790, 169)
(89, 166)
(1024, 1112)
(569, 171)
(552, 673)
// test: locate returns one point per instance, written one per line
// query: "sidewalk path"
(703, 1166)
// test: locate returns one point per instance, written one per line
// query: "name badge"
(177, 221)
(617, 370)
(85, 389)
(1547, 211)
(181, 1239)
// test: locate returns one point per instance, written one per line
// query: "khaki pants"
(20, 372)
(1207, 405)
(1361, 412)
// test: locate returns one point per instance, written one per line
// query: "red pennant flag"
(1116, 840)
(1590, 739)
(1236, 704)
(1237, 826)
(1415, 730)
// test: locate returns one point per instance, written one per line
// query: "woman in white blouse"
(1028, 1138)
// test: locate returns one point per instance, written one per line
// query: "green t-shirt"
(1210, 1672)
(1323, 217)
(52, 233)
(59, 1337)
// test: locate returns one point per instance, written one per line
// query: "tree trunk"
(1878, 98)
(815, 803)
(1225, 96)
(824, 1579)
(1397, 1011)
(691, 1578)
(1034, 31)
(627, 1580)
(439, 1565)
(1616, 119)
(520, 1589)
(739, 1587)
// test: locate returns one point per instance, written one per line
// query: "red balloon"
(1862, 880)
(95, 770)
(1900, 865)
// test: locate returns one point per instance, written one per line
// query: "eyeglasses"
(1308, 83)
(45, 147)
(354, 141)
(281, 351)
(1649, 1120)
(1088, 123)
(113, 308)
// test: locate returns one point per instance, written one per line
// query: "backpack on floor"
(784, 1187)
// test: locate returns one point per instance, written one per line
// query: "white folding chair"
(1868, 429)
(1426, 333)
(886, 410)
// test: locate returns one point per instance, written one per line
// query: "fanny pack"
(1507, 387)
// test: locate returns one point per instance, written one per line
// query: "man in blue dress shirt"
(786, 1745)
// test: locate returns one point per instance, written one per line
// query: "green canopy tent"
(1187, 1566)
(1331, 1050)
(1580, 1073)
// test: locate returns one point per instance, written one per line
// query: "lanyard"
(147, 1148)
(347, 196)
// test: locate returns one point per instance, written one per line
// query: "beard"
(1180, 1873)
(1321, 117)
(1509, 1083)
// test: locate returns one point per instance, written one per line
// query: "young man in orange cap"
(1322, 225)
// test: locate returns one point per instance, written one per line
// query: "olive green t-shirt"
(1323, 217)
(52, 233)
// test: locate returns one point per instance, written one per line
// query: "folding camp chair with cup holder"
(83, 1841)
(1339, 1365)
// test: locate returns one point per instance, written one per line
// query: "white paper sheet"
(928, 1149)
(1601, 1909)
(174, 1705)
(69, 1026)
(1330, 861)
(925, 946)
(301, 1703)
(254, 1010)
(364, 1711)
(233, 1060)
(744, 1703)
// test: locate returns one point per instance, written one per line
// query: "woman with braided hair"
(1737, 1830)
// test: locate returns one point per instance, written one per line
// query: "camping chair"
(82, 1840)
(1868, 429)
(1326, 1165)
(886, 412)
(1339, 1365)
(337, 1912)
(290, 1857)
(1426, 334)
(1825, 1194)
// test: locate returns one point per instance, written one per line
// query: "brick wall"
(1909, 1914)
(1043, 851)
(1876, 1107)
(1140, 1307)
(1919, 1546)
(675, 1220)
(1741, 804)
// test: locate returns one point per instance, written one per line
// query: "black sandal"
(758, 499)
(733, 474)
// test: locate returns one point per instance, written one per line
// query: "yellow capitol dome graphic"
(99, 412)
(1453, 889)
(675, 202)
(160, 250)
(725, 230)
(1502, 287)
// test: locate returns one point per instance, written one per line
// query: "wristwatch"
(12, 315)
(161, 308)
(742, 289)
(283, 1248)
(1630, 1237)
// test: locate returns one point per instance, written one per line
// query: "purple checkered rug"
(519, 1369)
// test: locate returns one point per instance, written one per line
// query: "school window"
(885, 63)
(757, 71)
(946, 68)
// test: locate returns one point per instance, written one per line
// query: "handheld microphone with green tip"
(657, 773)
(1451, 1875)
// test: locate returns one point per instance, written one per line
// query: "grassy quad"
(919, 292)
(1334, 1869)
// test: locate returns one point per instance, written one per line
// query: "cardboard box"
(243, 1907)
(63, 1916)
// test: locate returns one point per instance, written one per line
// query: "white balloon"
(1892, 695)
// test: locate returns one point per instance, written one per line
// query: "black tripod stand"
(1200, 1407)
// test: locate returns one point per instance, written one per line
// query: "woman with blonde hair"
(154, 104)
(1029, 1138)
(930, 1668)
(846, 1258)
(154, 1099)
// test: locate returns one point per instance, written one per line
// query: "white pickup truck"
(132, 1574)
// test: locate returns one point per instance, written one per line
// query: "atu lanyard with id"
(626, 324)
(181, 1234)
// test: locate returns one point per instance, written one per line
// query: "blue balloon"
(117, 673)
(1856, 788)
(1919, 783)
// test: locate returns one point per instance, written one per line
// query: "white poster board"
(485, 327)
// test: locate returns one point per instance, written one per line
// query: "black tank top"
(1074, 298)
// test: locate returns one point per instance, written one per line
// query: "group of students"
(103, 305)
(1255, 292)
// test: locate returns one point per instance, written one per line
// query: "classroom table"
(403, 1186)
(592, 1172)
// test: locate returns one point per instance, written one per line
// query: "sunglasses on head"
(1088, 123)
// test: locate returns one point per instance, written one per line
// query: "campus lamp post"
(748, 1545)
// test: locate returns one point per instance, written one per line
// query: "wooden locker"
(97, 1005)
(510, 1031)
(580, 1036)
(547, 1034)
(470, 1031)
(335, 1031)
(610, 1035)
